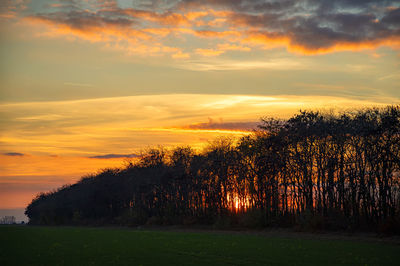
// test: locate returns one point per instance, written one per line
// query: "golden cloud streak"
(58, 137)
(105, 125)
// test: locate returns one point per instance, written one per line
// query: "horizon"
(87, 84)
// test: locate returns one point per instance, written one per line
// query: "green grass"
(25, 245)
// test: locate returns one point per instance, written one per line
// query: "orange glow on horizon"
(56, 138)
(23, 177)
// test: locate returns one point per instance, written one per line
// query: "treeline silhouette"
(313, 171)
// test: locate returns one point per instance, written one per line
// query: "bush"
(189, 220)
(308, 221)
(252, 219)
(223, 222)
(390, 226)
(154, 220)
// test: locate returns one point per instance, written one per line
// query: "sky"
(90, 84)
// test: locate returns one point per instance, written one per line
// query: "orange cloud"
(168, 18)
(146, 30)
(181, 55)
(8, 14)
(10, 9)
(345, 46)
(266, 41)
(92, 32)
(196, 14)
(217, 34)
(209, 52)
(232, 47)
(139, 42)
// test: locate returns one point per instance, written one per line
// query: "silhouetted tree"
(332, 171)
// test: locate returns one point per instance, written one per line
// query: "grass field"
(25, 245)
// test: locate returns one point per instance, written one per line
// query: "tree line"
(313, 171)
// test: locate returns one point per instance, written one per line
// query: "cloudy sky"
(88, 84)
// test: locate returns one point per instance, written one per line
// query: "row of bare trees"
(316, 170)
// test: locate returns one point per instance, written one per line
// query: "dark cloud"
(239, 126)
(310, 25)
(10, 8)
(13, 154)
(112, 156)
(315, 24)
(254, 6)
(282, 5)
(392, 18)
(85, 19)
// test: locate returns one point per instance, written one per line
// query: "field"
(25, 245)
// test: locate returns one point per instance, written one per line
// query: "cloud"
(220, 125)
(13, 154)
(221, 65)
(125, 125)
(395, 75)
(9, 9)
(113, 156)
(302, 26)
(320, 28)
(208, 52)
(117, 29)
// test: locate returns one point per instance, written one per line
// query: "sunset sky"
(87, 84)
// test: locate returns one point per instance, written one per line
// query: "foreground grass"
(25, 245)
